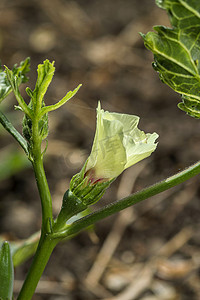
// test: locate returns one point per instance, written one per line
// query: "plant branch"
(129, 201)
(44, 192)
(13, 131)
(46, 244)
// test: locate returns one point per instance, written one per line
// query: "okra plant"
(118, 142)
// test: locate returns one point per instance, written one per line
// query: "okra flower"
(118, 144)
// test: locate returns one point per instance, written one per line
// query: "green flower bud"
(86, 189)
(42, 124)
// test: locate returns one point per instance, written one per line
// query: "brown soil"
(150, 251)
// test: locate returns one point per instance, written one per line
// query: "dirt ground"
(152, 250)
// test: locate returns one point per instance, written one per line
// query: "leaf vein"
(196, 13)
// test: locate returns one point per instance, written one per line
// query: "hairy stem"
(40, 260)
(44, 192)
(40, 176)
(129, 201)
(46, 244)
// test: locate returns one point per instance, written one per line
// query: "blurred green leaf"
(20, 71)
(12, 161)
(177, 51)
(23, 249)
(6, 272)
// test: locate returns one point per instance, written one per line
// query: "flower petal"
(139, 146)
(129, 122)
(118, 144)
(109, 157)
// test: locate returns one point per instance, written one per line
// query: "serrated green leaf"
(14, 81)
(60, 103)
(5, 87)
(22, 70)
(45, 75)
(177, 51)
(19, 71)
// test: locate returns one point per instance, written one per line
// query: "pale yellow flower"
(118, 144)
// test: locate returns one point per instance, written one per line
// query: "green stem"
(13, 131)
(42, 184)
(46, 244)
(71, 206)
(129, 201)
(40, 261)
(44, 192)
